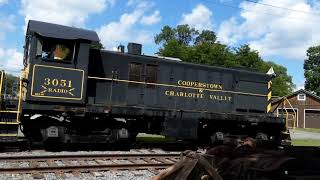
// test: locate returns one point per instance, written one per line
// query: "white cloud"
(66, 12)
(228, 33)
(132, 2)
(274, 31)
(3, 2)
(199, 18)
(152, 19)
(11, 60)
(111, 2)
(6, 25)
(300, 85)
(114, 33)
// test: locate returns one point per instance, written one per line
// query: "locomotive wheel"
(53, 145)
(132, 136)
(124, 145)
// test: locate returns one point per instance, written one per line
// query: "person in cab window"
(60, 52)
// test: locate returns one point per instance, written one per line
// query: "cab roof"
(59, 31)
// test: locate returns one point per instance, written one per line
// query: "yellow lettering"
(70, 84)
(171, 93)
(47, 81)
(61, 91)
(199, 84)
(184, 94)
(196, 95)
(63, 83)
(55, 82)
(199, 96)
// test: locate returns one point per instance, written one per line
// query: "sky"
(281, 31)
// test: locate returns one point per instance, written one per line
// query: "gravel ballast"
(107, 174)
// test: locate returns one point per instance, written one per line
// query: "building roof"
(295, 93)
(60, 31)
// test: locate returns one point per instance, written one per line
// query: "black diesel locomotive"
(72, 92)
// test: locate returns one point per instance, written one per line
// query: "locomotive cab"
(56, 61)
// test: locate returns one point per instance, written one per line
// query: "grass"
(142, 137)
(308, 130)
(154, 138)
(306, 142)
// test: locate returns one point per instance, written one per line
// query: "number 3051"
(57, 82)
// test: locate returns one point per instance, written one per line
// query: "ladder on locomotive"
(9, 112)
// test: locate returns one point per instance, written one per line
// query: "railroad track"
(88, 163)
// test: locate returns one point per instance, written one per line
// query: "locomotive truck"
(71, 92)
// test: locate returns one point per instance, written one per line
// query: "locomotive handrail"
(186, 87)
(1, 82)
(4, 111)
(284, 100)
(295, 115)
(17, 112)
(13, 123)
(287, 116)
(20, 99)
(8, 135)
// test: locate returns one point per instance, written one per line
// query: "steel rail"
(48, 169)
(151, 161)
(86, 156)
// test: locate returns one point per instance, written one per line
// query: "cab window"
(135, 70)
(151, 75)
(27, 48)
(55, 50)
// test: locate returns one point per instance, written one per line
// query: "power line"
(217, 2)
(281, 7)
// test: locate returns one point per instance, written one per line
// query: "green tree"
(312, 70)
(97, 45)
(167, 34)
(246, 57)
(202, 48)
(191, 46)
(10, 85)
(206, 36)
(213, 54)
(282, 84)
(185, 35)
